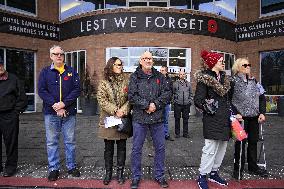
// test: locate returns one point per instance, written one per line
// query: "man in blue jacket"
(148, 93)
(59, 88)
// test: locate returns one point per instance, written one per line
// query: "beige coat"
(108, 105)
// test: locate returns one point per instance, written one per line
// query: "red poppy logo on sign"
(212, 26)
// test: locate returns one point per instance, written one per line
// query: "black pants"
(109, 151)
(181, 111)
(9, 130)
(252, 129)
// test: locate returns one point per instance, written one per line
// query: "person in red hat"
(213, 97)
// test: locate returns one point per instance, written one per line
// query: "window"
(77, 60)
(21, 63)
(272, 72)
(226, 8)
(272, 77)
(1, 56)
(70, 8)
(145, 3)
(110, 4)
(271, 7)
(229, 60)
(181, 4)
(174, 58)
(25, 7)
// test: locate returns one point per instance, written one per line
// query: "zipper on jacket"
(60, 88)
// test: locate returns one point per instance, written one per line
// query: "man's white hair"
(53, 47)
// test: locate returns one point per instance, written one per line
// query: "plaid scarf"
(4, 76)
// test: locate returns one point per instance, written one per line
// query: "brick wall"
(95, 45)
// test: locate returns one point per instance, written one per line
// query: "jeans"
(54, 125)
(139, 135)
(166, 119)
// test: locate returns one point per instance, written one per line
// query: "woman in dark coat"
(112, 98)
(213, 85)
(249, 103)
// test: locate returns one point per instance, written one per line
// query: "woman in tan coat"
(112, 98)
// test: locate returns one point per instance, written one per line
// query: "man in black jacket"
(148, 93)
(13, 100)
(164, 71)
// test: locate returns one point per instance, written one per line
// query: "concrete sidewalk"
(182, 155)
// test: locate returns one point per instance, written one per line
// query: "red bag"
(237, 130)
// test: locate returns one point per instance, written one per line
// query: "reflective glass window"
(73, 7)
(77, 60)
(135, 4)
(21, 63)
(68, 59)
(158, 4)
(160, 61)
(177, 62)
(181, 4)
(272, 72)
(226, 8)
(26, 5)
(31, 103)
(137, 51)
(177, 52)
(159, 52)
(74, 61)
(110, 4)
(174, 58)
(269, 6)
(1, 56)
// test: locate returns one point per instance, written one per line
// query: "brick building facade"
(97, 46)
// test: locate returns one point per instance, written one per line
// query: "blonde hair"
(238, 63)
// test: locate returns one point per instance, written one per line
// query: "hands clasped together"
(59, 108)
(151, 109)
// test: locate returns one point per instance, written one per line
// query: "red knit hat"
(210, 58)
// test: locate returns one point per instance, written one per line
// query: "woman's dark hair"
(109, 66)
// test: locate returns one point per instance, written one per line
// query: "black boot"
(108, 177)
(120, 176)
(121, 156)
(108, 155)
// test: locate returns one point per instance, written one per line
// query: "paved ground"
(182, 155)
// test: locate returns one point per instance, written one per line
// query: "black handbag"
(126, 126)
(210, 106)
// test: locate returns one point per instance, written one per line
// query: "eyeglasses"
(146, 58)
(246, 65)
(117, 64)
(58, 54)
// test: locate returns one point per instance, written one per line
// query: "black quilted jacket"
(144, 89)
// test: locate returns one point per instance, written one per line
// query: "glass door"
(77, 60)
